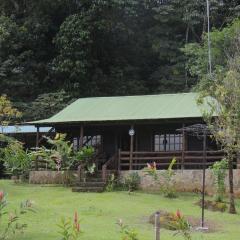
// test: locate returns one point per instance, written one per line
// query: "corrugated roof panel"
(162, 106)
(22, 129)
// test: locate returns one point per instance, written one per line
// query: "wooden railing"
(185, 160)
(111, 164)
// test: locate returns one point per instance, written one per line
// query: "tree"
(223, 114)
(99, 48)
(7, 112)
(45, 105)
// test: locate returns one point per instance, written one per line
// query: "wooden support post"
(37, 146)
(183, 147)
(81, 137)
(119, 161)
(157, 226)
(203, 177)
(131, 148)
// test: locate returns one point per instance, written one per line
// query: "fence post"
(157, 226)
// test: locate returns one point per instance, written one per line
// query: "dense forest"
(52, 52)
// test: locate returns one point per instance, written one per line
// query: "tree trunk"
(232, 208)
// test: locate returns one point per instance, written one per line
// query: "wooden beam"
(183, 146)
(81, 136)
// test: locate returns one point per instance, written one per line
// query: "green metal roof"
(145, 107)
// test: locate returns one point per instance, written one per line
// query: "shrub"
(16, 160)
(61, 156)
(219, 172)
(111, 183)
(127, 232)
(168, 188)
(174, 222)
(132, 181)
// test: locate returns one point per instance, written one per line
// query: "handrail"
(44, 137)
(105, 166)
(170, 152)
(162, 159)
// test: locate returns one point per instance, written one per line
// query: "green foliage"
(221, 94)
(132, 181)
(61, 152)
(115, 184)
(127, 232)
(219, 172)
(182, 226)
(111, 183)
(7, 112)
(167, 187)
(61, 155)
(221, 48)
(151, 170)
(16, 159)
(70, 230)
(85, 157)
(12, 220)
(96, 48)
(45, 105)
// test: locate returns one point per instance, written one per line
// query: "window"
(94, 141)
(167, 142)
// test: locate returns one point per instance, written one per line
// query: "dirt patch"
(213, 206)
(167, 221)
(195, 222)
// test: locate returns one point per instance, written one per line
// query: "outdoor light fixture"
(131, 132)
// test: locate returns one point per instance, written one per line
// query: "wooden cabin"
(130, 131)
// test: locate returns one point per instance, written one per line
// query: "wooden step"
(93, 179)
(90, 184)
(88, 189)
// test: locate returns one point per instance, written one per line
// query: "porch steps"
(87, 189)
(90, 184)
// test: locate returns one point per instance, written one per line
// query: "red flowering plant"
(151, 170)
(70, 230)
(12, 224)
(181, 225)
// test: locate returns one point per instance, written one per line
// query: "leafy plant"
(61, 152)
(219, 172)
(85, 156)
(127, 232)
(151, 170)
(182, 226)
(111, 183)
(13, 223)
(168, 188)
(16, 159)
(132, 181)
(70, 230)
(7, 111)
(63, 157)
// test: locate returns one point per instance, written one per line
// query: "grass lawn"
(100, 211)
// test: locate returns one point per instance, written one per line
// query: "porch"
(128, 146)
